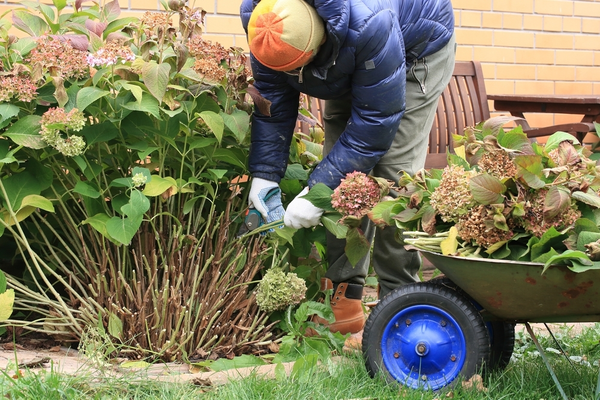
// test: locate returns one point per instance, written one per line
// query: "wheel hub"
(429, 351)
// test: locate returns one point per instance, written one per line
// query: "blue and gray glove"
(265, 197)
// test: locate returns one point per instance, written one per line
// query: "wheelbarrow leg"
(543, 354)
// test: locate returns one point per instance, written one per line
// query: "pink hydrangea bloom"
(356, 195)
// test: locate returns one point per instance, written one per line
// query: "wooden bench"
(462, 104)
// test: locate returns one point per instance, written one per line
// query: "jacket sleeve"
(378, 101)
(271, 136)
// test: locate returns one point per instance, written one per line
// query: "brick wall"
(525, 46)
(532, 46)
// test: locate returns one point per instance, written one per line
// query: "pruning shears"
(253, 218)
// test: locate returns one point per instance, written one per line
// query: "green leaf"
(147, 105)
(214, 122)
(551, 239)
(585, 224)
(381, 214)
(296, 171)
(588, 197)
(158, 185)
(26, 132)
(100, 133)
(243, 361)
(156, 78)
(238, 123)
(566, 257)
(286, 233)
(7, 302)
(89, 95)
(2, 282)
(7, 112)
(580, 266)
(280, 374)
(29, 23)
(135, 364)
(487, 189)
(115, 325)
(137, 91)
(98, 222)
(357, 246)
(118, 24)
(87, 190)
(320, 196)
(586, 238)
(331, 222)
(529, 168)
(18, 186)
(36, 201)
(138, 204)
(555, 139)
(59, 4)
(123, 229)
(557, 200)
(229, 156)
(517, 141)
(48, 13)
(303, 367)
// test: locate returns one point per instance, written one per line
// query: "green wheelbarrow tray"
(518, 292)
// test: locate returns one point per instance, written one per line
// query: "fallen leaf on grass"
(12, 346)
(54, 349)
(35, 363)
(201, 382)
(475, 382)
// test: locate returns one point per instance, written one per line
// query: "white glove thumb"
(301, 213)
(258, 190)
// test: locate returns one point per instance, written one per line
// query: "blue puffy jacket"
(370, 44)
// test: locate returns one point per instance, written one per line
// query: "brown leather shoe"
(346, 303)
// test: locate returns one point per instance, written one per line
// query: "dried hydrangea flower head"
(477, 226)
(498, 163)
(19, 87)
(211, 59)
(357, 194)
(55, 122)
(278, 290)
(453, 198)
(110, 54)
(534, 220)
(59, 58)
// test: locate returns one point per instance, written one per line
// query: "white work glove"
(265, 197)
(301, 213)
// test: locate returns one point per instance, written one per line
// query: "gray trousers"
(394, 266)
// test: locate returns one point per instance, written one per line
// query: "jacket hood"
(336, 14)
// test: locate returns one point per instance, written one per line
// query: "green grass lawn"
(526, 377)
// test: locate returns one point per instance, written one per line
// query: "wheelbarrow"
(427, 334)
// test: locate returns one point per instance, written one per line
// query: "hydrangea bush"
(122, 141)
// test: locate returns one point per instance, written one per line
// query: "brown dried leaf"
(273, 347)
(475, 382)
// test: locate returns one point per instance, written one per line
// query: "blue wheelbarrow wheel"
(502, 334)
(424, 335)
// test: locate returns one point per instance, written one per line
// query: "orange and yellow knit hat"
(284, 34)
